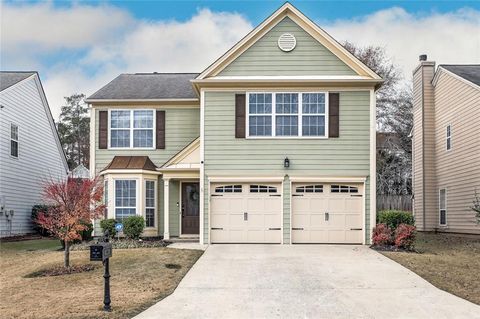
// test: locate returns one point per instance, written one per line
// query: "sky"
(77, 47)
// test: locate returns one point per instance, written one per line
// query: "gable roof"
(288, 10)
(131, 162)
(470, 72)
(188, 157)
(9, 78)
(147, 86)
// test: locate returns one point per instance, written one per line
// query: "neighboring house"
(80, 172)
(446, 146)
(30, 150)
(272, 143)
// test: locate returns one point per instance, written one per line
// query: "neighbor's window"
(443, 206)
(449, 137)
(125, 198)
(131, 128)
(14, 140)
(286, 114)
(150, 203)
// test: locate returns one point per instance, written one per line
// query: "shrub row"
(393, 218)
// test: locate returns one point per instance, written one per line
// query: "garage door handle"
(275, 228)
(297, 228)
(356, 228)
(216, 195)
(356, 195)
(277, 195)
(297, 195)
(217, 228)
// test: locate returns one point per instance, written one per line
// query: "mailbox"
(100, 251)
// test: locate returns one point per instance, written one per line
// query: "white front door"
(245, 213)
(327, 213)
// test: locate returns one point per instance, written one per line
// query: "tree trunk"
(67, 254)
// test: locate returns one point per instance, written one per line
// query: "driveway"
(305, 281)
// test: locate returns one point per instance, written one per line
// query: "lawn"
(449, 262)
(139, 278)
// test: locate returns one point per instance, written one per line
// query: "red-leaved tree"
(73, 203)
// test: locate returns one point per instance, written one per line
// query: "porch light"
(286, 162)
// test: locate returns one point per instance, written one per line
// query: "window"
(262, 189)
(443, 206)
(125, 198)
(229, 189)
(287, 114)
(105, 197)
(309, 189)
(131, 128)
(150, 203)
(343, 189)
(14, 140)
(449, 137)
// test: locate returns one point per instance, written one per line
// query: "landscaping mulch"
(125, 244)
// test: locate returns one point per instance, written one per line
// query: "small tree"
(73, 203)
(476, 206)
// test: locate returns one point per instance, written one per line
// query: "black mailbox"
(100, 251)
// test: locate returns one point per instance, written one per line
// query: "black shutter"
(160, 134)
(333, 114)
(103, 129)
(240, 115)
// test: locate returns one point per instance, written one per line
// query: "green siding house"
(272, 143)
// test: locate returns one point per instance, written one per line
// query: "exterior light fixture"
(286, 162)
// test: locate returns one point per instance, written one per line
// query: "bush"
(87, 233)
(36, 209)
(405, 236)
(133, 226)
(393, 218)
(109, 224)
(382, 235)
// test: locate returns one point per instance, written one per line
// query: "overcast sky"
(79, 47)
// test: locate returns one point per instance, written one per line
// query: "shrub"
(382, 235)
(393, 218)
(405, 236)
(36, 209)
(87, 233)
(109, 224)
(133, 226)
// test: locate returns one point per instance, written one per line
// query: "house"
(273, 143)
(30, 150)
(79, 172)
(446, 146)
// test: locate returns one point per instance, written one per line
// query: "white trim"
(93, 146)
(236, 78)
(243, 179)
(202, 170)
(439, 207)
(179, 206)
(441, 69)
(281, 211)
(325, 179)
(139, 100)
(364, 213)
(166, 209)
(373, 161)
(132, 129)
(319, 34)
(299, 89)
(274, 114)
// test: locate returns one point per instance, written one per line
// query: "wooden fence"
(397, 202)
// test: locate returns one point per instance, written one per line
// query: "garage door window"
(262, 189)
(309, 189)
(343, 189)
(229, 189)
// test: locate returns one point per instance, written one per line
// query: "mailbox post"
(102, 252)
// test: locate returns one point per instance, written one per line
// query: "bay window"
(131, 129)
(125, 198)
(287, 114)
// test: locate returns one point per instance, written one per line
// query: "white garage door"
(245, 213)
(327, 213)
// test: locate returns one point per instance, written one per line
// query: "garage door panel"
(310, 224)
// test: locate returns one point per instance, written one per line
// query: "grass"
(139, 278)
(450, 262)
(31, 245)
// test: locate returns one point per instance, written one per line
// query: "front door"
(190, 208)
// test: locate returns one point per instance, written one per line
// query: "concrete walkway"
(307, 281)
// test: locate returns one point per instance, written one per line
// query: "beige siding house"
(446, 146)
(273, 143)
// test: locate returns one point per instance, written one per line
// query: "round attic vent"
(287, 42)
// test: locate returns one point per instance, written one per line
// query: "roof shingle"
(9, 78)
(148, 86)
(470, 72)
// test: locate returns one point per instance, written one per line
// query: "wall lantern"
(286, 162)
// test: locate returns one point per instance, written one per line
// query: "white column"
(166, 210)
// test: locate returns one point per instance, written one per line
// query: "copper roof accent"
(131, 162)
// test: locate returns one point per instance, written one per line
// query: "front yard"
(139, 278)
(450, 262)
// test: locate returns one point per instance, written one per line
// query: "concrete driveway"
(305, 281)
